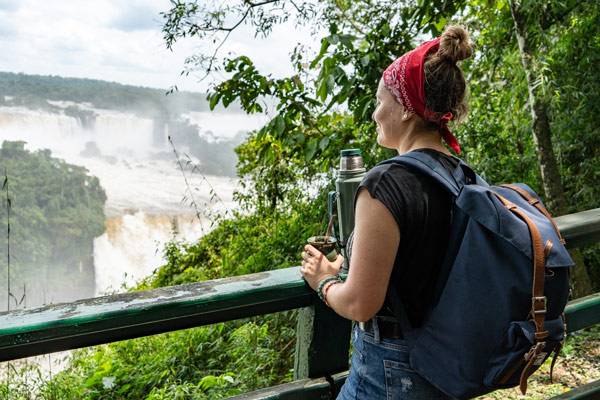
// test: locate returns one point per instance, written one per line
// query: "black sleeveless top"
(422, 210)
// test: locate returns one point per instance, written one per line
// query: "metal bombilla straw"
(329, 228)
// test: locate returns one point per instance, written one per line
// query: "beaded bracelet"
(329, 284)
(331, 278)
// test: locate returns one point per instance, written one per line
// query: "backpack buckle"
(535, 300)
(535, 351)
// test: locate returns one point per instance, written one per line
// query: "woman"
(402, 221)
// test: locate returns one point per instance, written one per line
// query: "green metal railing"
(323, 337)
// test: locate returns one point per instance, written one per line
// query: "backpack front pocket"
(506, 363)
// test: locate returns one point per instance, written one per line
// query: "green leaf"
(347, 40)
(333, 39)
(324, 47)
(207, 382)
(279, 124)
(124, 388)
(329, 84)
(322, 91)
(324, 143)
(439, 25)
(299, 136)
(214, 99)
(311, 150)
(262, 132)
(365, 60)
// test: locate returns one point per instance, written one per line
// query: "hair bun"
(455, 44)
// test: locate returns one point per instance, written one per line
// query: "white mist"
(148, 201)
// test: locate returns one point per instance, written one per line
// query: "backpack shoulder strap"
(425, 163)
(452, 182)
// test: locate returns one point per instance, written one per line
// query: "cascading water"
(144, 186)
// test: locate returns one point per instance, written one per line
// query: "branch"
(252, 5)
(228, 30)
(350, 21)
(214, 57)
(306, 115)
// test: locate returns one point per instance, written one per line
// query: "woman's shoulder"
(383, 172)
(393, 168)
(391, 179)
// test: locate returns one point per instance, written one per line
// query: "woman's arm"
(376, 239)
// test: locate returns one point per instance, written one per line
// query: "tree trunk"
(551, 180)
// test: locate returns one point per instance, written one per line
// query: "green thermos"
(350, 174)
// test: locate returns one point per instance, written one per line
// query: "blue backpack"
(497, 312)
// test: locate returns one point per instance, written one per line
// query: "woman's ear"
(406, 115)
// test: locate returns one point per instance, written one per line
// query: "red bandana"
(405, 78)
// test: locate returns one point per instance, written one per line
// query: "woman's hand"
(316, 267)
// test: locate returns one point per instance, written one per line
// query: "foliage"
(310, 127)
(497, 134)
(56, 212)
(288, 166)
(85, 117)
(214, 361)
(209, 362)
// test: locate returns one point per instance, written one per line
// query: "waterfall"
(148, 201)
(131, 247)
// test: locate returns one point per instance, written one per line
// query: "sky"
(119, 41)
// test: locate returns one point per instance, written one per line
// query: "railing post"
(322, 342)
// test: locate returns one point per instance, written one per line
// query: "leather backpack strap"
(536, 203)
(558, 348)
(538, 300)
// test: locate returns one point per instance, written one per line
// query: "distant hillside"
(34, 91)
(37, 92)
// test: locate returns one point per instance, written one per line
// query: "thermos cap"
(351, 160)
(350, 152)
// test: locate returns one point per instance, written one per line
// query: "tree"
(335, 88)
(56, 211)
(304, 137)
(515, 96)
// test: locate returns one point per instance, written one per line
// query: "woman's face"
(388, 117)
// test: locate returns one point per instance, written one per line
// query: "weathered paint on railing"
(122, 316)
(303, 389)
(583, 312)
(580, 229)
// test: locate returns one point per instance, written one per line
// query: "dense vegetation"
(55, 211)
(289, 164)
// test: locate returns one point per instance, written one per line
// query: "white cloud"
(118, 41)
